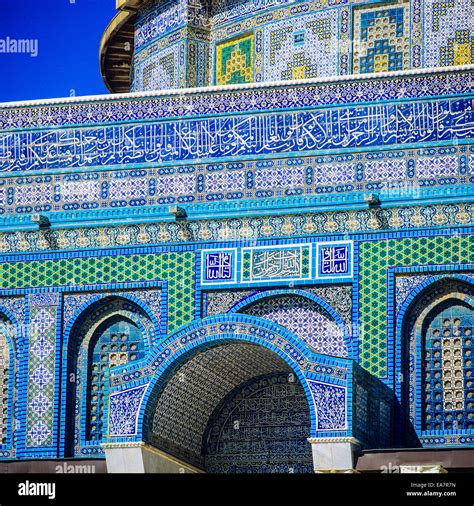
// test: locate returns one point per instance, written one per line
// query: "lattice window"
(448, 372)
(116, 342)
(4, 376)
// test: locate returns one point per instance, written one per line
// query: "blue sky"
(67, 33)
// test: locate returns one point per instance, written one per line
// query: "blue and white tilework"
(301, 47)
(42, 365)
(123, 411)
(334, 260)
(330, 401)
(311, 323)
(448, 33)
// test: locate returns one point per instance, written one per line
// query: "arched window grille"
(117, 341)
(448, 372)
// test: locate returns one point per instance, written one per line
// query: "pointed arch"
(106, 331)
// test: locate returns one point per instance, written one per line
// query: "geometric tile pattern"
(245, 100)
(381, 38)
(170, 47)
(278, 177)
(161, 72)
(176, 268)
(266, 227)
(437, 347)
(459, 50)
(203, 382)
(449, 32)
(301, 48)
(41, 366)
(338, 297)
(310, 322)
(150, 297)
(375, 258)
(234, 64)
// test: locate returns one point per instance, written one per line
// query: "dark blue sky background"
(68, 34)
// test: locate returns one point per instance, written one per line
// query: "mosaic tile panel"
(176, 268)
(449, 351)
(41, 369)
(310, 322)
(381, 38)
(437, 346)
(276, 12)
(151, 298)
(160, 72)
(123, 411)
(118, 344)
(10, 355)
(112, 332)
(331, 405)
(375, 258)
(302, 47)
(449, 32)
(404, 285)
(338, 297)
(234, 60)
(221, 301)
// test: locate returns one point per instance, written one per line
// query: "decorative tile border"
(245, 98)
(392, 174)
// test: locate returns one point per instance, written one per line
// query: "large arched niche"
(233, 407)
(436, 349)
(307, 317)
(111, 331)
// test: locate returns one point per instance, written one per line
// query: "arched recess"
(304, 314)
(138, 388)
(233, 406)
(9, 334)
(436, 348)
(109, 331)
